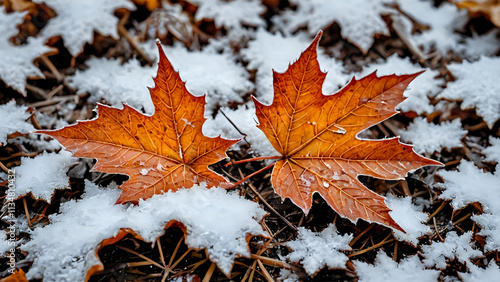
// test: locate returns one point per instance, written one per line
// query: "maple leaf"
(316, 136)
(162, 152)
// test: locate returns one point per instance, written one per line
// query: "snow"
(429, 137)
(230, 14)
(287, 276)
(470, 184)
(76, 21)
(12, 119)
(493, 152)
(269, 52)
(454, 247)
(490, 273)
(477, 86)
(410, 217)
(116, 83)
(359, 20)
(442, 22)
(245, 119)
(4, 243)
(487, 44)
(315, 250)
(43, 174)
(16, 62)
(424, 86)
(387, 270)
(490, 229)
(216, 220)
(207, 71)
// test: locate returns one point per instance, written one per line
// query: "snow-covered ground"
(459, 87)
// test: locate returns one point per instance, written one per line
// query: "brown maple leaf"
(316, 136)
(162, 152)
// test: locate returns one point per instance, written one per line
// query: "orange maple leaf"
(316, 136)
(162, 152)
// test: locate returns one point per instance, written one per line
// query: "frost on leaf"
(429, 137)
(76, 21)
(360, 20)
(13, 119)
(410, 217)
(477, 86)
(268, 52)
(316, 136)
(315, 250)
(218, 76)
(385, 270)
(175, 154)
(43, 174)
(16, 62)
(232, 14)
(214, 219)
(116, 83)
(454, 247)
(426, 85)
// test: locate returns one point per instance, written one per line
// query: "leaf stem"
(250, 175)
(253, 159)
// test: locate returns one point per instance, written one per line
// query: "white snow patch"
(387, 270)
(490, 273)
(43, 174)
(16, 62)
(470, 184)
(487, 45)
(12, 119)
(4, 243)
(246, 121)
(231, 14)
(477, 86)
(216, 220)
(442, 22)
(268, 52)
(424, 86)
(493, 152)
(287, 276)
(76, 21)
(429, 137)
(454, 247)
(207, 71)
(410, 217)
(490, 229)
(317, 250)
(359, 20)
(116, 83)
